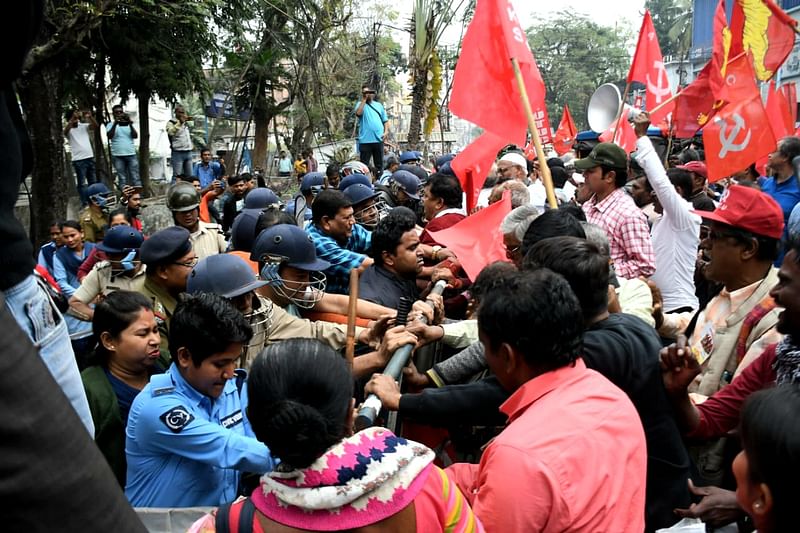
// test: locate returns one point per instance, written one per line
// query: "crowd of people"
(631, 363)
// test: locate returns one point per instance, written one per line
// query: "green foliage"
(673, 22)
(158, 48)
(575, 56)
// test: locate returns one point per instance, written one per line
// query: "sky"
(627, 13)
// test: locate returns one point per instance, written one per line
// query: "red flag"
(739, 82)
(484, 90)
(765, 30)
(694, 106)
(624, 137)
(778, 112)
(477, 240)
(790, 90)
(648, 65)
(472, 165)
(721, 49)
(737, 136)
(565, 134)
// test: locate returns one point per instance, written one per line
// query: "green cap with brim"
(608, 154)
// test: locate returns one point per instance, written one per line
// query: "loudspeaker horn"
(604, 106)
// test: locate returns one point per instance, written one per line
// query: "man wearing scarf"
(779, 364)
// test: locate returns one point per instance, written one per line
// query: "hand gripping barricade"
(372, 405)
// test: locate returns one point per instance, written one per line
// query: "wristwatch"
(435, 254)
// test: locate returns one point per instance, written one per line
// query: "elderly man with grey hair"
(513, 228)
(632, 296)
(519, 193)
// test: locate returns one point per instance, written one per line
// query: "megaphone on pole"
(604, 106)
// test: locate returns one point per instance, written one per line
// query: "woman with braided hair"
(301, 406)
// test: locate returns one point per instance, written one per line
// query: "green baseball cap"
(608, 154)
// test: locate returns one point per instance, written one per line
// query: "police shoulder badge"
(177, 418)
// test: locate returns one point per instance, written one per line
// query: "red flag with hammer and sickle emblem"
(737, 136)
(648, 68)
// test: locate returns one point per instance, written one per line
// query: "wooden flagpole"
(352, 303)
(537, 141)
(621, 109)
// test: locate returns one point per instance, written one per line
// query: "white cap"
(516, 159)
(578, 178)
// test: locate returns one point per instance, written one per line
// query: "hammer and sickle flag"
(648, 67)
(737, 137)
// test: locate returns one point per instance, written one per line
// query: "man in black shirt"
(398, 260)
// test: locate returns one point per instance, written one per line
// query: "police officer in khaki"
(122, 270)
(184, 202)
(95, 217)
(169, 259)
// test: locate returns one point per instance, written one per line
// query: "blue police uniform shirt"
(185, 449)
(370, 123)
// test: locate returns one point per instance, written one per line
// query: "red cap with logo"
(748, 209)
(698, 167)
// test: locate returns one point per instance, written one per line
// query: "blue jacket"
(185, 449)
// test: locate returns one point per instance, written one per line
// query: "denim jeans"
(84, 176)
(181, 163)
(37, 315)
(127, 167)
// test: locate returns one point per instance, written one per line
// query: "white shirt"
(538, 194)
(675, 236)
(79, 143)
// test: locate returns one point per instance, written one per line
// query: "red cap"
(748, 209)
(698, 167)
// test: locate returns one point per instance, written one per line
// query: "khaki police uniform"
(208, 240)
(163, 308)
(101, 280)
(92, 224)
(272, 323)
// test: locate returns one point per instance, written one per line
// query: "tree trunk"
(41, 96)
(144, 142)
(417, 107)
(102, 161)
(261, 143)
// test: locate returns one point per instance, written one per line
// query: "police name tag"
(231, 420)
(177, 418)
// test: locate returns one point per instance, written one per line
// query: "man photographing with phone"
(180, 141)
(121, 134)
(372, 127)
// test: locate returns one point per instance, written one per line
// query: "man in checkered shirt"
(338, 239)
(611, 208)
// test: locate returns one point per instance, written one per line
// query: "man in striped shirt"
(338, 239)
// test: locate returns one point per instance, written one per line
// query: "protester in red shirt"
(441, 202)
(573, 456)
(721, 412)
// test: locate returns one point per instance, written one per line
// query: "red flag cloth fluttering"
(565, 134)
(765, 30)
(779, 113)
(736, 137)
(694, 106)
(624, 137)
(721, 49)
(477, 240)
(484, 90)
(648, 65)
(472, 165)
